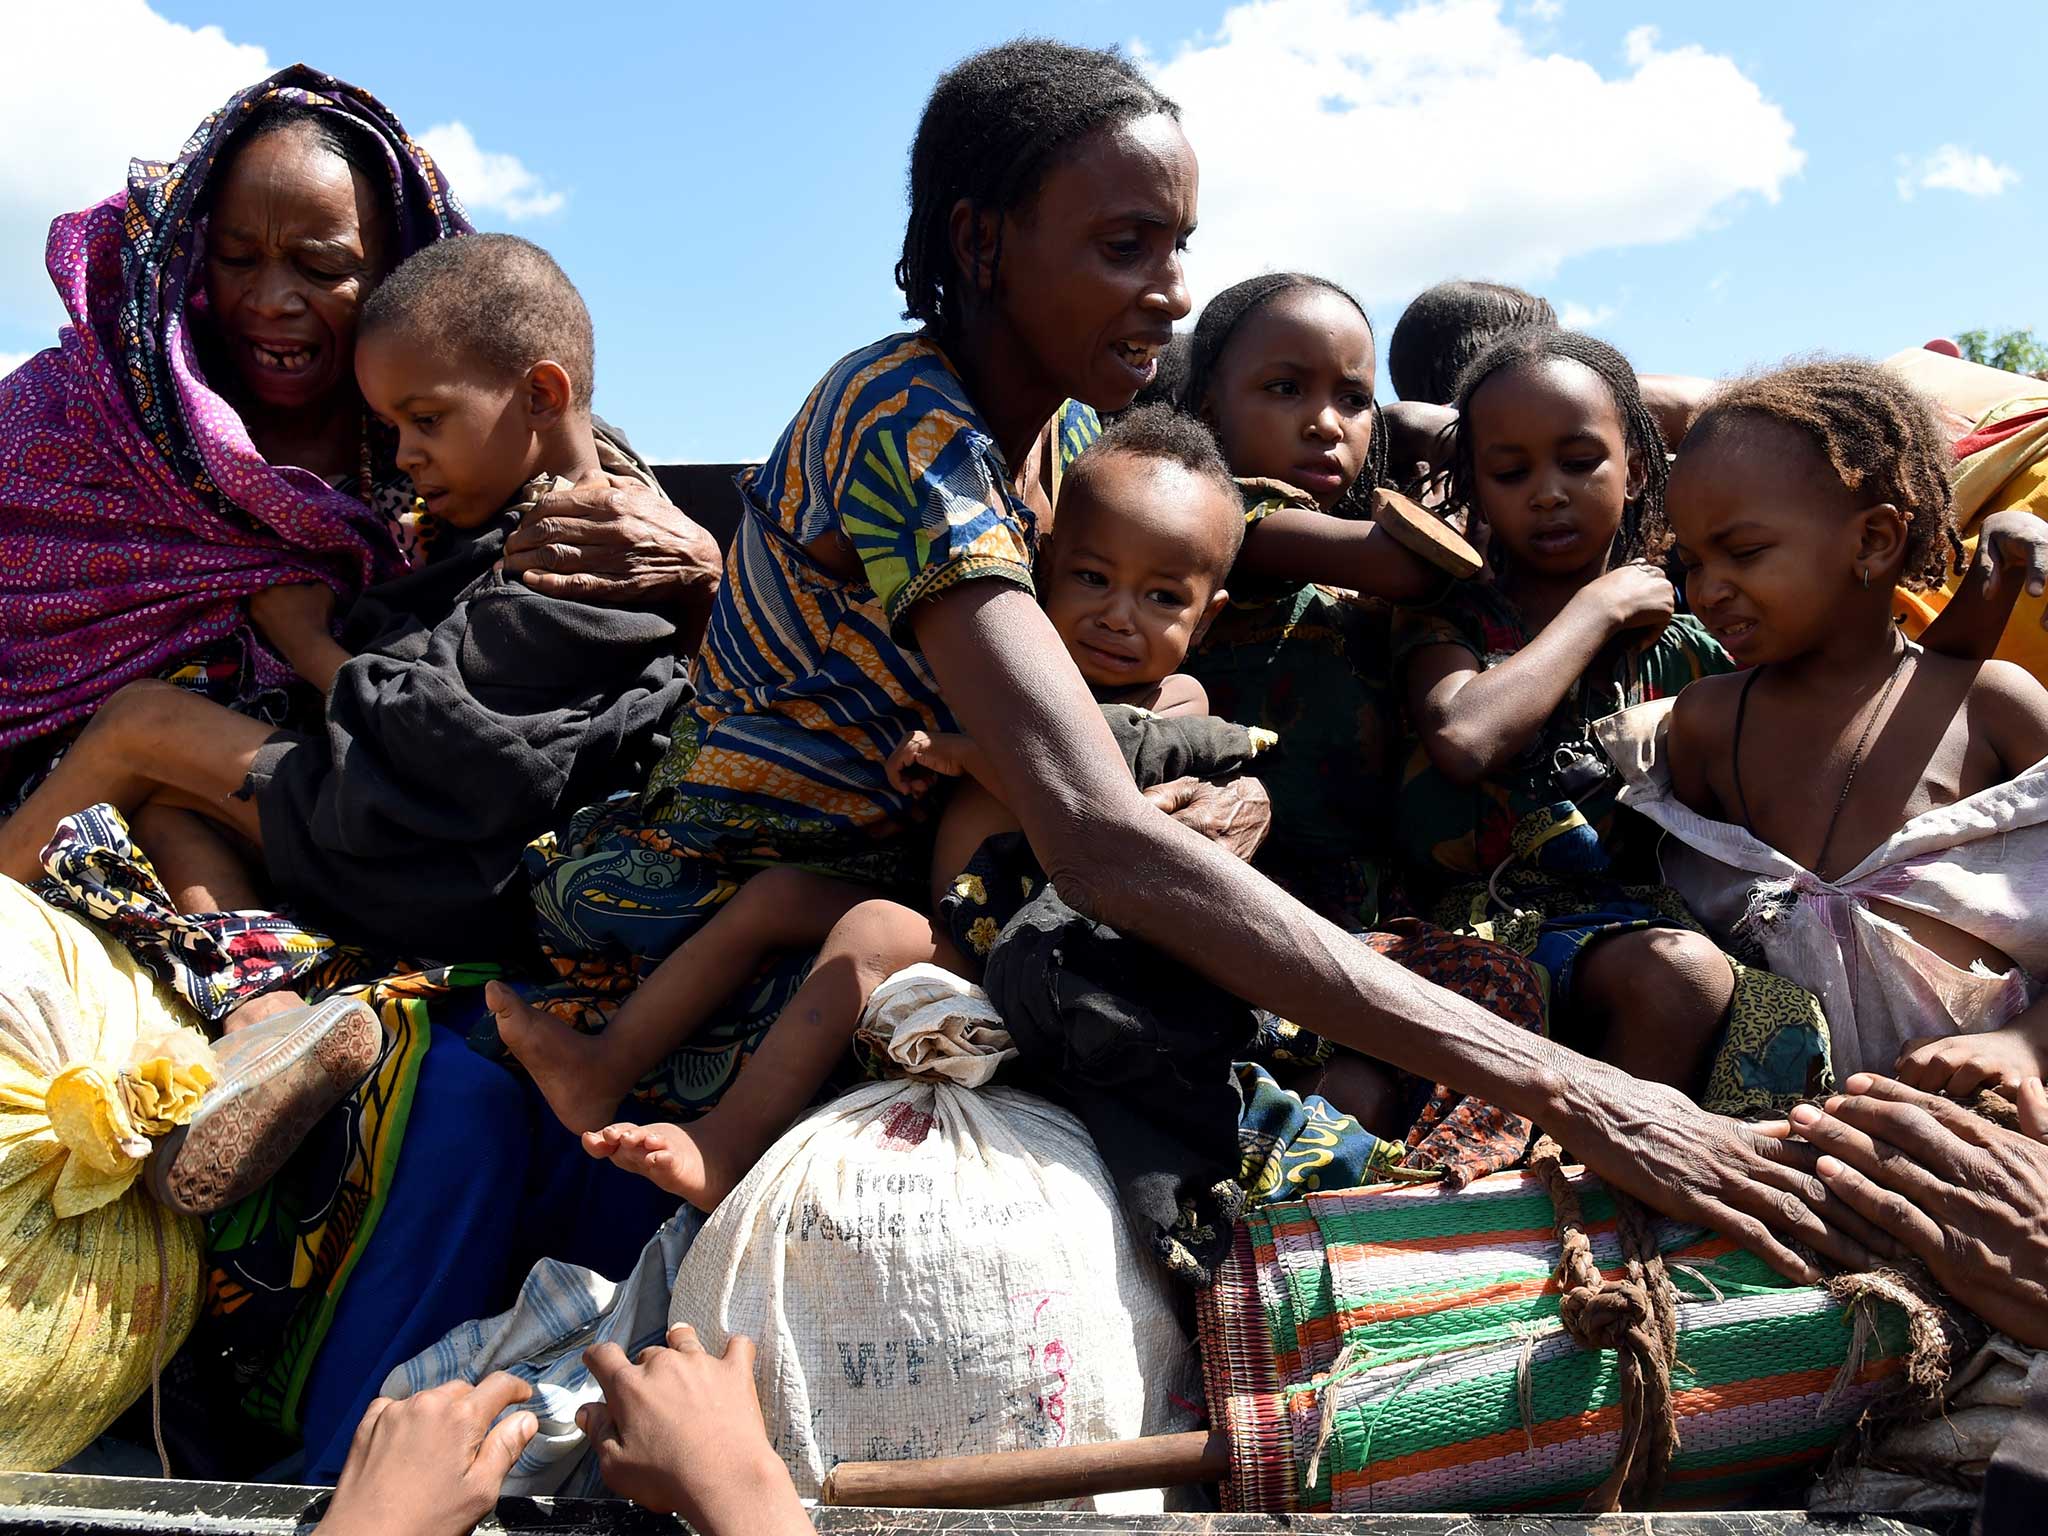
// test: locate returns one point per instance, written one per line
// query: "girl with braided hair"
(1507, 809)
(1282, 367)
(1872, 813)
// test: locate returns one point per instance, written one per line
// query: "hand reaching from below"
(680, 1432)
(430, 1465)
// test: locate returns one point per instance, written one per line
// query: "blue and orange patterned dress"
(806, 681)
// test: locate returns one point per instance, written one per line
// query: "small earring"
(1866, 578)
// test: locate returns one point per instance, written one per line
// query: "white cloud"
(1392, 150)
(69, 144)
(9, 361)
(1952, 168)
(487, 181)
(1544, 10)
(1574, 316)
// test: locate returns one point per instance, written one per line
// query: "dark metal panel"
(117, 1506)
(707, 493)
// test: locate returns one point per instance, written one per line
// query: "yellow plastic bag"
(96, 1279)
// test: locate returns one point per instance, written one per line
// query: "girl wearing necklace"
(1507, 809)
(1873, 815)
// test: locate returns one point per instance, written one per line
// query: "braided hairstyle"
(1878, 435)
(1444, 328)
(994, 125)
(1219, 321)
(1642, 519)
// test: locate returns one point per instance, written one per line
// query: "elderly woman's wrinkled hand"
(616, 541)
(1967, 1198)
(1753, 1183)
(1238, 814)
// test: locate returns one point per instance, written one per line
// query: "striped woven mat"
(1458, 1388)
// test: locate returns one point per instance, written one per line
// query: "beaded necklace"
(365, 487)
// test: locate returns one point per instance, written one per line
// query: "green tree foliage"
(2014, 351)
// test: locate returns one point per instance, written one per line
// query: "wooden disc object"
(1425, 535)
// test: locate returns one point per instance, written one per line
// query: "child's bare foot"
(684, 1160)
(565, 1064)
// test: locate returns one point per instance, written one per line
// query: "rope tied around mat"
(1635, 1314)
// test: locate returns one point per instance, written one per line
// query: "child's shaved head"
(497, 299)
(1160, 432)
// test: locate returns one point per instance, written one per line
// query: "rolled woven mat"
(1529, 1342)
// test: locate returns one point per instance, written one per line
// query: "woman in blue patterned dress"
(881, 582)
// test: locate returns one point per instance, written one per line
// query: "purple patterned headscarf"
(136, 517)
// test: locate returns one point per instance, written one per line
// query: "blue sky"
(725, 183)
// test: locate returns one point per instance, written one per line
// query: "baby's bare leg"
(971, 818)
(704, 1160)
(199, 866)
(583, 1077)
(148, 738)
(1357, 1086)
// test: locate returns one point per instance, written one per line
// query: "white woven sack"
(931, 1270)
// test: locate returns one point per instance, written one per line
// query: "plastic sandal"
(277, 1078)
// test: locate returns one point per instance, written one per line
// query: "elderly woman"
(196, 440)
(194, 443)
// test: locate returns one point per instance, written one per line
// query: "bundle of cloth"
(2001, 448)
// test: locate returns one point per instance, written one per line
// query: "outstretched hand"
(680, 1432)
(1967, 1198)
(1750, 1183)
(430, 1465)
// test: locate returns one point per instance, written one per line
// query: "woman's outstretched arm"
(1004, 673)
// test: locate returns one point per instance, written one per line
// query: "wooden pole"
(1049, 1475)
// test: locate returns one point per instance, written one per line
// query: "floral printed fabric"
(215, 961)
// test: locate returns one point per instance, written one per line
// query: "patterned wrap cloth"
(805, 684)
(136, 516)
